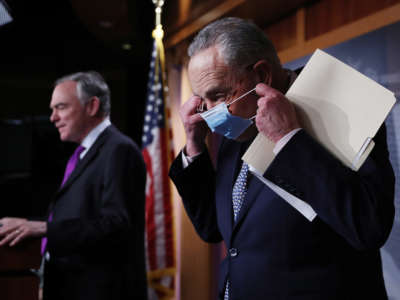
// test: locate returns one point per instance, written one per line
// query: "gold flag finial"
(158, 32)
(158, 4)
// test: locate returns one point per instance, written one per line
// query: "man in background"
(93, 236)
(273, 251)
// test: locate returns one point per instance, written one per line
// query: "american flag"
(158, 153)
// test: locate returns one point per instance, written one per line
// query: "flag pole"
(158, 34)
(162, 280)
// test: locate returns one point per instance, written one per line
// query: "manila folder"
(340, 107)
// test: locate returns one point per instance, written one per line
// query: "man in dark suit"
(93, 242)
(273, 251)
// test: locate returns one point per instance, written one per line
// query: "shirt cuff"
(187, 160)
(284, 140)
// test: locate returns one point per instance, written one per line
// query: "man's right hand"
(196, 128)
(14, 230)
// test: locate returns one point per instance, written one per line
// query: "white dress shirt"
(89, 140)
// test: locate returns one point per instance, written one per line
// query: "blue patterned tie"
(238, 194)
(239, 190)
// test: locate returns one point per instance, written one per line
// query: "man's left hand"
(276, 115)
(14, 230)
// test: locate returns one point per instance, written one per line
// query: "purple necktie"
(73, 160)
(72, 163)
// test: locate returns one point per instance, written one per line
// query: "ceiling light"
(126, 46)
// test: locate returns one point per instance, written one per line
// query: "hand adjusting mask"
(221, 121)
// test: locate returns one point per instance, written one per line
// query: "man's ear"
(263, 71)
(93, 106)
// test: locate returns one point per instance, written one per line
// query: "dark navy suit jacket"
(273, 251)
(96, 236)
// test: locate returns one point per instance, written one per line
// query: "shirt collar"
(89, 140)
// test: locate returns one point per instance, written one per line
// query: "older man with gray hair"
(273, 252)
(93, 236)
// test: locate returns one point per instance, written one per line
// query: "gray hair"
(90, 84)
(240, 41)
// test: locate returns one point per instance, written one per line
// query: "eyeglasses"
(201, 108)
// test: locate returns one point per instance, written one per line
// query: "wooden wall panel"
(343, 33)
(326, 15)
(184, 18)
(178, 13)
(283, 32)
(19, 288)
(24, 256)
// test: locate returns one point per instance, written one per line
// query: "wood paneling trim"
(382, 18)
(326, 15)
(199, 23)
(301, 26)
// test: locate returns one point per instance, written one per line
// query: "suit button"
(233, 252)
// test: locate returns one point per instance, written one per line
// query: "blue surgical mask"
(221, 121)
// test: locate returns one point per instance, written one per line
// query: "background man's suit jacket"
(96, 236)
(273, 251)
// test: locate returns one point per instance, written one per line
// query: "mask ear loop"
(200, 107)
(240, 97)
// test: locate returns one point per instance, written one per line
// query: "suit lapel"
(254, 187)
(227, 163)
(92, 153)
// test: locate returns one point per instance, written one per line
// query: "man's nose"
(210, 104)
(53, 116)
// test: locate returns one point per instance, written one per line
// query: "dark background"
(46, 40)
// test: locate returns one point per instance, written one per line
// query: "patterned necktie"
(239, 190)
(73, 160)
(238, 195)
